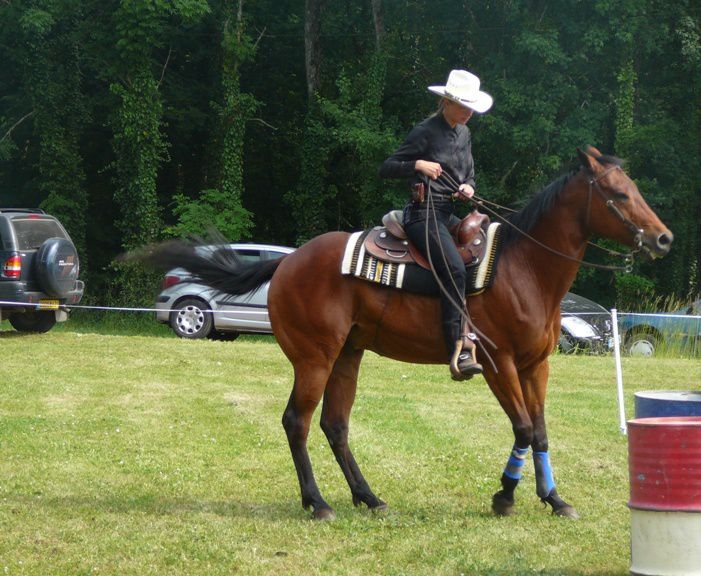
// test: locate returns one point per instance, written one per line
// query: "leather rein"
(593, 183)
(610, 204)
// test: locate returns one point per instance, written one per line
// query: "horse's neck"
(562, 230)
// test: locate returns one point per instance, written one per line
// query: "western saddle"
(389, 242)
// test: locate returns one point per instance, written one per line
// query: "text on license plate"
(48, 304)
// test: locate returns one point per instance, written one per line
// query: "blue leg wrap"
(514, 466)
(544, 481)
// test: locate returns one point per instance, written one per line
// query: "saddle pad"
(357, 262)
(410, 277)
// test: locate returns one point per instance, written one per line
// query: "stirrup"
(463, 364)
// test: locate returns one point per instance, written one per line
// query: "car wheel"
(57, 266)
(191, 318)
(32, 321)
(566, 345)
(642, 344)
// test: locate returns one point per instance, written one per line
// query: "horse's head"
(617, 210)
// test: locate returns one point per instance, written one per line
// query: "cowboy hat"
(463, 87)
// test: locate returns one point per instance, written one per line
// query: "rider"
(438, 153)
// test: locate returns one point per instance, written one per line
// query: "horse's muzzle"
(657, 246)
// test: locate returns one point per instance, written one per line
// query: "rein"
(462, 308)
(593, 182)
(610, 204)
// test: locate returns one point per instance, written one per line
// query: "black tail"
(215, 266)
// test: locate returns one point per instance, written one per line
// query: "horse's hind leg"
(310, 381)
(338, 402)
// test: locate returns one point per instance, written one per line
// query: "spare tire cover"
(57, 266)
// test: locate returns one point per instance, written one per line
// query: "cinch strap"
(544, 481)
(514, 467)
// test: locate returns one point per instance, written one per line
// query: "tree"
(138, 141)
(131, 118)
(59, 114)
(222, 206)
(312, 193)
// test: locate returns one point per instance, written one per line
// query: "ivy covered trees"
(138, 120)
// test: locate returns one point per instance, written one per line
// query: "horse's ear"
(594, 152)
(589, 163)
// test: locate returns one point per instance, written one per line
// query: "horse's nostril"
(664, 241)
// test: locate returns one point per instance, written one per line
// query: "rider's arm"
(402, 164)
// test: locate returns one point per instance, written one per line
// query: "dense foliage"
(134, 120)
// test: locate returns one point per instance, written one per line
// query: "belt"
(437, 196)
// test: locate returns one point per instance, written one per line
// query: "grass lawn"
(151, 455)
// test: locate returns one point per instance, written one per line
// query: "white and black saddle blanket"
(358, 262)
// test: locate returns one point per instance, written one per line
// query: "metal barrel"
(664, 464)
(658, 403)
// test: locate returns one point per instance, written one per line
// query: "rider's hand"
(431, 169)
(465, 192)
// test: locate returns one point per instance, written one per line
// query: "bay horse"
(324, 321)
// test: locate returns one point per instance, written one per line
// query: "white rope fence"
(42, 306)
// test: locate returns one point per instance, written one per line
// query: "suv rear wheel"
(57, 266)
(33, 321)
(191, 318)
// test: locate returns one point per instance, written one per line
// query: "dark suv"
(39, 270)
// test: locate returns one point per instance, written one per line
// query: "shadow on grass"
(554, 572)
(158, 506)
(6, 334)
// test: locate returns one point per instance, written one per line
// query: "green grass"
(151, 455)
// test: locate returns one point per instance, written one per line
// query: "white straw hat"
(463, 87)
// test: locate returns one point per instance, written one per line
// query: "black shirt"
(434, 140)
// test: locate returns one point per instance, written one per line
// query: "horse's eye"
(618, 195)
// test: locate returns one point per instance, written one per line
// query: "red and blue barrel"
(664, 461)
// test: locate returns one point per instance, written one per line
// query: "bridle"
(611, 205)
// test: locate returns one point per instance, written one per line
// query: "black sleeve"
(471, 175)
(470, 178)
(401, 163)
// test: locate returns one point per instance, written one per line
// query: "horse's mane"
(541, 203)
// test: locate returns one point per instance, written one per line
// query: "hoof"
(381, 509)
(324, 514)
(502, 506)
(566, 512)
(373, 503)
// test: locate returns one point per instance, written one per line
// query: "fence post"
(619, 372)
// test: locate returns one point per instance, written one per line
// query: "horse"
(324, 321)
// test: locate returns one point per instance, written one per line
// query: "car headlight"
(577, 327)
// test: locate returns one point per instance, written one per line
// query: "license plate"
(48, 305)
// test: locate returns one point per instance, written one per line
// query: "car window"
(31, 232)
(248, 255)
(274, 254)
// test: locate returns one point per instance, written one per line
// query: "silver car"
(585, 326)
(197, 311)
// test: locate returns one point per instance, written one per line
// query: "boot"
(463, 364)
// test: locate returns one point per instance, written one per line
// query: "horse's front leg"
(544, 477)
(535, 386)
(507, 389)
